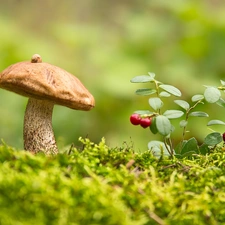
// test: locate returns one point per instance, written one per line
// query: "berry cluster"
(145, 122)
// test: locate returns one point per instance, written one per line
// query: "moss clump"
(101, 185)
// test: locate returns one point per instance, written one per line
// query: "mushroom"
(45, 85)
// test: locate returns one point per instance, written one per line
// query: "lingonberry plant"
(159, 120)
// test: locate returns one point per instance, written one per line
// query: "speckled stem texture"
(38, 133)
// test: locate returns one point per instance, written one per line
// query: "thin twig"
(71, 148)
(168, 149)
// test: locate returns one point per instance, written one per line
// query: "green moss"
(102, 185)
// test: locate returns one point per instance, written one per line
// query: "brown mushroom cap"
(46, 82)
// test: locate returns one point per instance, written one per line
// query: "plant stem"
(170, 149)
(186, 119)
(187, 115)
(157, 91)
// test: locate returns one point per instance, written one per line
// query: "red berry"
(145, 122)
(135, 119)
(224, 137)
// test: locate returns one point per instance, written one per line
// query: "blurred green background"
(105, 44)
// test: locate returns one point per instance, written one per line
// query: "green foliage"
(212, 94)
(161, 120)
(213, 139)
(101, 185)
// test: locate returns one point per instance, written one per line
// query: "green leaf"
(145, 91)
(158, 148)
(173, 114)
(141, 112)
(212, 94)
(152, 75)
(153, 127)
(204, 149)
(213, 139)
(196, 98)
(183, 104)
(190, 146)
(183, 123)
(164, 94)
(222, 82)
(163, 125)
(142, 79)
(215, 122)
(199, 114)
(221, 102)
(155, 103)
(171, 89)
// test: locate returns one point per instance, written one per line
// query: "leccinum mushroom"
(45, 85)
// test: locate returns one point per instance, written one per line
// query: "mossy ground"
(101, 185)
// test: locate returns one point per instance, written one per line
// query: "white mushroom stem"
(38, 133)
